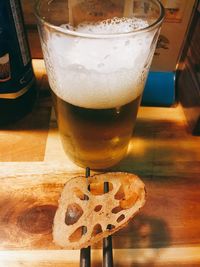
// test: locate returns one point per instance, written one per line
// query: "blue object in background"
(159, 89)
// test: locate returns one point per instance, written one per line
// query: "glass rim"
(150, 27)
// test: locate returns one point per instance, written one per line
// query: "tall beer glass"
(97, 56)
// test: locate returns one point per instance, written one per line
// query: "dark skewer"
(85, 258)
(107, 242)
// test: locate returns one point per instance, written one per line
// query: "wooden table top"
(33, 169)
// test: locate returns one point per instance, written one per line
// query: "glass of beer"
(97, 56)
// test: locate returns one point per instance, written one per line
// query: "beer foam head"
(109, 26)
(99, 72)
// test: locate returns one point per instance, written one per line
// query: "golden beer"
(95, 137)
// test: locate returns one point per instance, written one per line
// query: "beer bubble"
(100, 65)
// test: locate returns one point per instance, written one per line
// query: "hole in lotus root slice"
(129, 201)
(79, 194)
(120, 193)
(120, 218)
(98, 208)
(73, 213)
(110, 227)
(97, 229)
(77, 234)
(97, 188)
(117, 209)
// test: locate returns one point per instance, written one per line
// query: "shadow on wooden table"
(143, 232)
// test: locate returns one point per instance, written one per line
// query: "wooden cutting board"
(166, 231)
(28, 202)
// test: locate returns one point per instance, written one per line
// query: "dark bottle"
(17, 81)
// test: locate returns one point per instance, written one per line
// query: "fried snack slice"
(95, 210)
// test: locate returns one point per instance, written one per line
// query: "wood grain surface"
(162, 152)
(28, 202)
